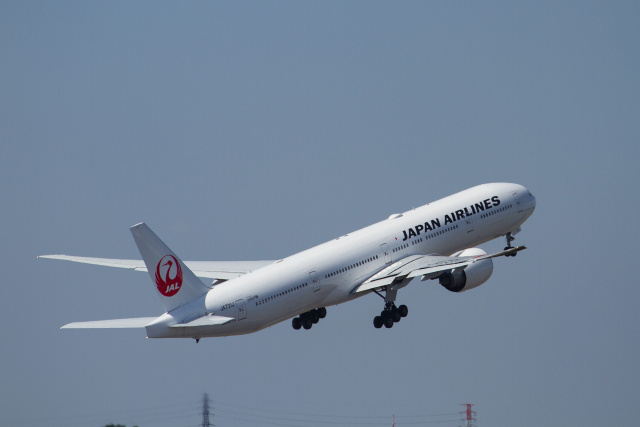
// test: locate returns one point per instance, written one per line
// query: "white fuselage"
(327, 274)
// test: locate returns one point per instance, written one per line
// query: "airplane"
(437, 241)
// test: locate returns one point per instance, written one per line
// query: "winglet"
(175, 283)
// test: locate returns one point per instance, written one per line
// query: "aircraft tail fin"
(174, 282)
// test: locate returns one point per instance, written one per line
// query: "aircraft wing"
(428, 266)
(220, 270)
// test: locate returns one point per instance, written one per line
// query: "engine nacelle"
(469, 277)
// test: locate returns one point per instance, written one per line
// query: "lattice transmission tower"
(205, 412)
(469, 418)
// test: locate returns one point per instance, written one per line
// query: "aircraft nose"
(531, 204)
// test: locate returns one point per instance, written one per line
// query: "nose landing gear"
(510, 239)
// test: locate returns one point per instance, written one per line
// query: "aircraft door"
(469, 224)
(313, 277)
(386, 252)
(242, 309)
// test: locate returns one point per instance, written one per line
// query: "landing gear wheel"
(395, 315)
(388, 322)
(314, 316)
(296, 323)
(322, 312)
(306, 323)
(377, 322)
(403, 310)
(510, 247)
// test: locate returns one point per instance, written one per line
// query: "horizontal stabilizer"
(205, 321)
(136, 322)
(131, 264)
(220, 270)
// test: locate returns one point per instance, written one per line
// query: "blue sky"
(253, 130)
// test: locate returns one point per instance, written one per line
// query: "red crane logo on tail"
(168, 286)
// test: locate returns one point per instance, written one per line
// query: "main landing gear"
(308, 319)
(390, 315)
(510, 239)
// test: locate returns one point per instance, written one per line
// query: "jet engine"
(469, 277)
